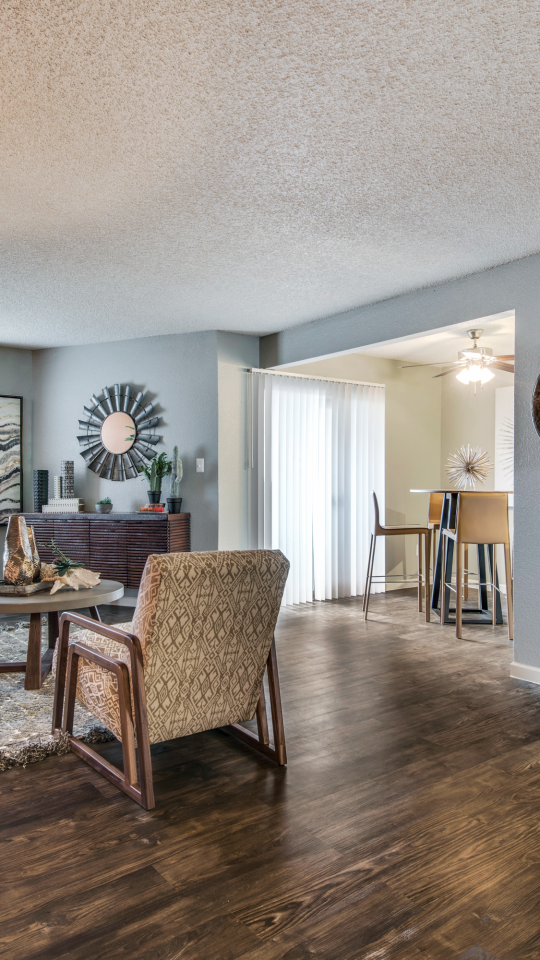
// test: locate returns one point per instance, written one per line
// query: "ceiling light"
(475, 373)
(463, 376)
(486, 375)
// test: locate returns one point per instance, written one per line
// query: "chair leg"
(278, 752)
(509, 590)
(427, 554)
(493, 587)
(60, 685)
(370, 576)
(443, 578)
(143, 793)
(459, 591)
(420, 583)
(367, 575)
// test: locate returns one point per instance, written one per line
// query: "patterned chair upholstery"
(205, 622)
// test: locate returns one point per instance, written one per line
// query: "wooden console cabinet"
(116, 545)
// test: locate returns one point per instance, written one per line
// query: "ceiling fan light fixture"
(475, 373)
(463, 375)
(486, 375)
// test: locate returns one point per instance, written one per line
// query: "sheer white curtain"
(317, 454)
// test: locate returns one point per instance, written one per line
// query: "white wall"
(468, 419)
(236, 353)
(412, 440)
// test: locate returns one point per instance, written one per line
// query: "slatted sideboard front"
(114, 545)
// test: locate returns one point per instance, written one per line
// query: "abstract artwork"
(10, 456)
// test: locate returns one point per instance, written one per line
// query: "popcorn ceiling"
(177, 166)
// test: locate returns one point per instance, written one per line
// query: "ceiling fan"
(473, 365)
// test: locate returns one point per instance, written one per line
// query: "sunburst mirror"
(117, 440)
(535, 407)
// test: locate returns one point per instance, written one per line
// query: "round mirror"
(118, 433)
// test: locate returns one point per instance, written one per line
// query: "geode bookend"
(36, 562)
(18, 559)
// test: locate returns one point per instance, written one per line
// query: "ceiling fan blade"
(506, 356)
(444, 373)
(501, 366)
(442, 364)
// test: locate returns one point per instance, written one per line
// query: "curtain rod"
(307, 376)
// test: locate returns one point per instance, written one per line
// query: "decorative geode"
(36, 562)
(18, 558)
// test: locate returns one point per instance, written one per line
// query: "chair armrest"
(112, 633)
(104, 630)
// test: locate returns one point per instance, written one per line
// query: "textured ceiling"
(169, 166)
(443, 346)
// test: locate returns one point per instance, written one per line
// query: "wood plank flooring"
(405, 827)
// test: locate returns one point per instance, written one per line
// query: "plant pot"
(154, 496)
(174, 504)
(104, 507)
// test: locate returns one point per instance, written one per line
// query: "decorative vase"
(41, 489)
(174, 504)
(18, 559)
(154, 496)
(104, 507)
(68, 479)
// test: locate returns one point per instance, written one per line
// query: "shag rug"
(26, 715)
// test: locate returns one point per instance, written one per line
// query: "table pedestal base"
(37, 666)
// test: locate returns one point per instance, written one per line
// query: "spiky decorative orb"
(468, 466)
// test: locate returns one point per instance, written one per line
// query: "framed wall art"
(11, 417)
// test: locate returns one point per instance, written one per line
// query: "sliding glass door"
(317, 453)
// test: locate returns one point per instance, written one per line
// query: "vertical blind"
(317, 452)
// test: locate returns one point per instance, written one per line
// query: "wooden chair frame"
(142, 790)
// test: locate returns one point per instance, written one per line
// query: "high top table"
(35, 666)
(448, 520)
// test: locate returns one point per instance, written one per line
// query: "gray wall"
(178, 373)
(511, 286)
(236, 353)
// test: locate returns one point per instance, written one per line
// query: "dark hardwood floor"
(406, 825)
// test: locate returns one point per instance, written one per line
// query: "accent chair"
(192, 659)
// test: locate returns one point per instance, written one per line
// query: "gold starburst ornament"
(468, 467)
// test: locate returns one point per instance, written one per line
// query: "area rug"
(26, 715)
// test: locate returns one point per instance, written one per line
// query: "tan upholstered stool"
(435, 506)
(481, 518)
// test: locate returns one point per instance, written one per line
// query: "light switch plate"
(199, 466)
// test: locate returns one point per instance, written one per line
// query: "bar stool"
(398, 531)
(481, 518)
(435, 506)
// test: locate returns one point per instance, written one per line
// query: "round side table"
(36, 666)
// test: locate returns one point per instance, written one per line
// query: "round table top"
(65, 599)
(455, 490)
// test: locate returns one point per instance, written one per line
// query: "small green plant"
(63, 564)
(154, 471)
(105, 500)
(177, 472)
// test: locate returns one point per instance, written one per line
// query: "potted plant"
(174, 502)
(104, 506)
(154, 472)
